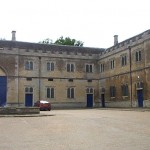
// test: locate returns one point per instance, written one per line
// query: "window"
(125, 91)
(70, 93)
(124, 60)
(112, 64)
(138, 56)
(50, 66)
(50, 79)
(89, 90)
(112, 91)
(28, 65)
(29, 79)
(89, 80)
(50, 92)
(101, 67)
(70, 67)
(28, 90)
(89, 68)
(70, 80)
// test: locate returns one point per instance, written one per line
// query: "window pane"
(31, 65)
(52, 66)
(72, 92)
(27, 65)
(48, 66)
(68, 67)
(91, 68)
(52, 92)
(72, 67)
(26, 90)
(31, 89)
(87, 68)
(48, 92)
(68, 92)
(140, 56)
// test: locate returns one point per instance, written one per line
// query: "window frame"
(71, 92)
(102, 67)
(28, 65)
(89, 68)
(50, 92)
(125, 90)
(50, 66)
(70, 67)
(138, 56)
(123, 60)
(112, 91)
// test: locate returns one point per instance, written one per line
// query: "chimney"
(115, 39)
(13, 35)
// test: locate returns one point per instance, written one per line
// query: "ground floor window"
(50, 92)
(125, 90)
(70, 92)
(112, 91)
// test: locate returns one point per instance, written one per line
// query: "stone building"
(70, 76)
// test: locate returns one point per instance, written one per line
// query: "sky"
(94, 22)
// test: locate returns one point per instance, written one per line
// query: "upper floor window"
(70, 92)
(124, 90)
(70, 67)
(102, 67)
(50, 92)
(138, 56)
(50, 66)
(89, 68)
(124, 60)
(28, 65)
(112, 91)
(112, 64)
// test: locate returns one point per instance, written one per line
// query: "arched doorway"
(3, 88)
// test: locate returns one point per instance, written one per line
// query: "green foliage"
(68, 41)
(46, 41)
(63, 41)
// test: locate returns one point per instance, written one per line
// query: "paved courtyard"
(86, 129)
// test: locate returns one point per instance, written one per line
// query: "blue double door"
(3, 90)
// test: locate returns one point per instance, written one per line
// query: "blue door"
(89, 100)
(3, 89)
(140, 98)
(28, 100)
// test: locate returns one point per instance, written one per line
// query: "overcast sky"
(94, 22)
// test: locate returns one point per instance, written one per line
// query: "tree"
(46, 41)
(68, 41)
(63, 41)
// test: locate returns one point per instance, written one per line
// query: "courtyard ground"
(80, 129)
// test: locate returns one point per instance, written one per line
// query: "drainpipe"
(130, 74)
(39, 78)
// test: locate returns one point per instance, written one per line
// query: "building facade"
(70, 76)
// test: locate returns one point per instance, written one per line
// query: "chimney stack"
(115, 39)
(13, 35)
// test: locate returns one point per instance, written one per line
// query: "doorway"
(140, 97)
(3, 90)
